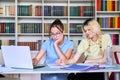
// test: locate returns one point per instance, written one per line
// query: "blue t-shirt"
(51, 55)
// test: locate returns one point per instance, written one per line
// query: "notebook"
(82, 67)
(18, 57)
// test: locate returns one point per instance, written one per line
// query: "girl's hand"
(60, 38)
(60, 62)
(34, 61)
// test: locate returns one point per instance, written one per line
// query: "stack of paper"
(57, 66)
(81, 67)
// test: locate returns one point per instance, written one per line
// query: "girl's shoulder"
(48, 41)
(105, 35)
(66, 40)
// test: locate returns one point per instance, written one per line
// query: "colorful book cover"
(111, 22)
(113, 5)
(74, 11)
(109, 5)
(116, 22)
(98, 6)
(116, 5)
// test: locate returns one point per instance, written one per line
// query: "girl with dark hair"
(55, 48)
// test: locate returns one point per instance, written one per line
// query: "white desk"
(47, 69)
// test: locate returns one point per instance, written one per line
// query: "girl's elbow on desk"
(98, 61)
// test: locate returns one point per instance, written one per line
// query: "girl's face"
(89, 32)
(56, 33)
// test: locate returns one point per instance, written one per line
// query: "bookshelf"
(7, 22)
(26, 22)
(108, 15)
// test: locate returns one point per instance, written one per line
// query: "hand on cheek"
(59, 38)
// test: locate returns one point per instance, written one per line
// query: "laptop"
(18, 57)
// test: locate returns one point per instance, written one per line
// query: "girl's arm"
(99, 60)
(36, 59)
(74, 59)
(62, 56)
(70, 61)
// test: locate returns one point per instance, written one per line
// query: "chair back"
(116, 53)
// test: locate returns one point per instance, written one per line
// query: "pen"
(85, 59)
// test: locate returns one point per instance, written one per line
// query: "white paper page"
(57, 66)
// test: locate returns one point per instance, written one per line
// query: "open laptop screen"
(17, 56)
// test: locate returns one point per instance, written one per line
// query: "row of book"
(47, 26)
(33, 45)
(81, 11)
(7, 42)
(7, 27)
(29, 28)
(112, 22)
(109, 22)
(75, 28)
(108, 5)
(55, 10)
(32, 10)
(36, 28)
(7, 10)
(29, 10)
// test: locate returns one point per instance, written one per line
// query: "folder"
(81, 67)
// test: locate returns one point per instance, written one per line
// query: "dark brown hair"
(58, 24)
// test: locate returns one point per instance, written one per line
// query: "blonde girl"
(93, 46)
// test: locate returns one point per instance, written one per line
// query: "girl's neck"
(94, 39)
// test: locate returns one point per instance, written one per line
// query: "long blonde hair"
(95, 27)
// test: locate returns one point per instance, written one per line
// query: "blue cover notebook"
(81, 67)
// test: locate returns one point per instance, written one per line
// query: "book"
(74, 11)
(32, 45)
(98, 5)
(81, 67)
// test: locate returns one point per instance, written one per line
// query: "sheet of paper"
(100, 65)
(57, 66)
(106, 65)
(81, 67)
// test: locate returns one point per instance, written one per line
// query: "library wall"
(28, 18)
(27, 22)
